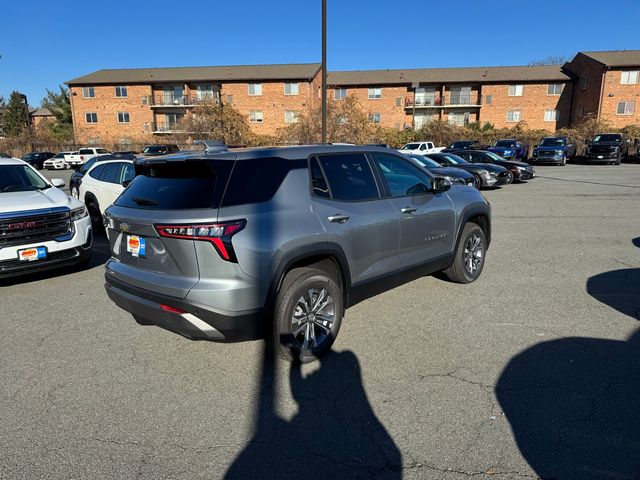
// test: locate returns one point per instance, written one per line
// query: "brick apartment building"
(133, 105)
(606, 85)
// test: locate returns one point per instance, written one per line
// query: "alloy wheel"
(312, 319)
(473, 254)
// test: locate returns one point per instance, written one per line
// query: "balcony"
(165, 127)
(181, 101)
(451, 101)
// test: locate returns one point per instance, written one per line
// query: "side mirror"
(441, 185)
(57, 182)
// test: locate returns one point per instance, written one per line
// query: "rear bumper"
(185, 317)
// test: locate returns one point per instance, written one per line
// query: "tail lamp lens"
(219, 234)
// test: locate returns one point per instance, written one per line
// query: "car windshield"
(20, 178)
(553, 142)
(493, 156)
(60, 155)
(88, 164)
(155, 149)
(505, 143)
(29, 156)
(449, 159)
(607, 138)
(424, 161)
(411, 146)
(461, 144)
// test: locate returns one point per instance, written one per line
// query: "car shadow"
(574, 403)
(334, 434)
(99, 256)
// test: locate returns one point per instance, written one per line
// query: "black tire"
(293, 341)
(477, 182)
(459, 271)
(510, 177)
(96, 218)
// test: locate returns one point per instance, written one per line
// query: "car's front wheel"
(469, 255)
(510, 177)
(307, 315)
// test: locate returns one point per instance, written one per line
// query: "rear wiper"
(145, 201)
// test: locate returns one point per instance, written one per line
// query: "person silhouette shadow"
(335, 433)
(574, 403)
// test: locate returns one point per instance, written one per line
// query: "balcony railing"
(165, 127)
(177, 100)
(439, 102)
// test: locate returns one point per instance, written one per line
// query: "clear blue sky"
(43, 43)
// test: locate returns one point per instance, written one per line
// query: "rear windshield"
(174, 186)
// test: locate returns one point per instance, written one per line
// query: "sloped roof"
(616, 58)
(296, 71)
(447, 75)
(41, 112)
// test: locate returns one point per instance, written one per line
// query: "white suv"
(102, 184)
(41, 227)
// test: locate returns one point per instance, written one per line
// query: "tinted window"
(176, 186)
(475, 157)
(102, 150)
(97, 172)
(257, 180)
(402, 178)
(128, 173)
(111, 173)
(87, 165)
(350, 177)
(607, 138)
(552, 142)
(318, 182)
(504, 143)
(85, 151)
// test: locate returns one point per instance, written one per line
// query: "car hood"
(508, 163)
(11, 202)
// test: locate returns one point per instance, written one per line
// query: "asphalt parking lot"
(533, 371)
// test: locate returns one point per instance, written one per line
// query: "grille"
(34, 227)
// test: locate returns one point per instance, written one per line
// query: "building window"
(230, 99)
(340, 94)
(458, 118)
(630, 77)
(291, 116)
(398, 101)
(255, 116)
(291, 88)
(551, 115)
(514, 116)
(88, 92)
(581, 111)
(121, 92)
(255, 89)
(626, 108)
(554, 89)
(375, 93)
(374, 117)
(123, 117)
(583, 83)
(488, 99)
(421, 118)
(91, 117)
(204, 92)
(516, 90)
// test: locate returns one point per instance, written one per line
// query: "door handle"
(408, 210)
(338, 218)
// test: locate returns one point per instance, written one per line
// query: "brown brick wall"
(107, 106)
(273, 103)
(392, 115)
(586, 99)
(532, 104)
(615, 92)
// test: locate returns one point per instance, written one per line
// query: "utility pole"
(324, 72)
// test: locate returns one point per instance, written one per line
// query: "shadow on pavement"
(574, 403)
(335, 433)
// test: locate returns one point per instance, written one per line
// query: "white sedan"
(57, 162)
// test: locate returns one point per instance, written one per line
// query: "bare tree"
(550, 60)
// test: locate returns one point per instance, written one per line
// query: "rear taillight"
(219, 234)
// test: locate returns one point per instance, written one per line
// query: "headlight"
(485, 175)
(79, 213)
(535, 153)
(559, 152)
(453, 179)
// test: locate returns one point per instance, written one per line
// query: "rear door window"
(319, 184)
(111, 173)
(180, 185)
(350, 177)
(97, 172)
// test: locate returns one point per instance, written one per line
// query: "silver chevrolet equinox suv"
(280, 241)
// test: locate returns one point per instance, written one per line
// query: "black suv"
(607, 148)
(228, 245)
(36, 159)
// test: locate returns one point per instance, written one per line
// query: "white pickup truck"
(83, 155)
(421, 148)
